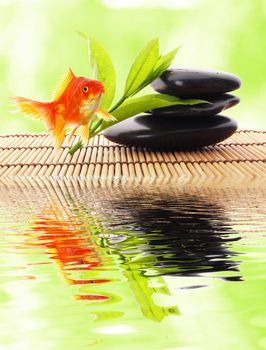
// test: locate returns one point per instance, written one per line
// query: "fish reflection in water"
(68, 243)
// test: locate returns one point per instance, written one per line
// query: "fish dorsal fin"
(64, 84)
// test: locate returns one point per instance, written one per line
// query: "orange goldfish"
(76, 101)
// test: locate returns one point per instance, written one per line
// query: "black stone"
(217, 105)
(177, 134)
(189, 83)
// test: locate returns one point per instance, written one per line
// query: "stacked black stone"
(183, 127)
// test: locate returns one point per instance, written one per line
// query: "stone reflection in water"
(178, 235)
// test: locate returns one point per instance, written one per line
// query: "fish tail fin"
(47, 112)
(27, 106)
(102, 114)
(36, 110)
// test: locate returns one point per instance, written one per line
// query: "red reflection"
(90, 297)
(87, 281)
(66, 245)
(70, 245)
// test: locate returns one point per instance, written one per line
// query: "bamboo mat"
(30, 156)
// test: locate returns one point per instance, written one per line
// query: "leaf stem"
(118, 103)
(75, 148)
(97, 125)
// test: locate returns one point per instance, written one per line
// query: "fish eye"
(85, 89)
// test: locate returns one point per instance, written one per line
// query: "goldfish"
(75, 102)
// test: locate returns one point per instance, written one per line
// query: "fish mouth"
(94, 99)
(91, 104)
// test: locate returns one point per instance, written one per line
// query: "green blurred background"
(38, 44)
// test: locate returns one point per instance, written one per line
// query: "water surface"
(132, 267)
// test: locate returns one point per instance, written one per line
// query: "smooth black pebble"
(217, 105)
(191, 83)
(177, 134)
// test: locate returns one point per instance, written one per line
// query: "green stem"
(74, 148)
(118, 104)
(92, 132)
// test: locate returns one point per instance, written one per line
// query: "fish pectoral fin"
(84, 133)
(59, 131)
(102, 114)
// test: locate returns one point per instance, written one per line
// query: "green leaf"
(142, 67)
(145, 103)
(83, 35)
(101, 60)
(161, 65)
